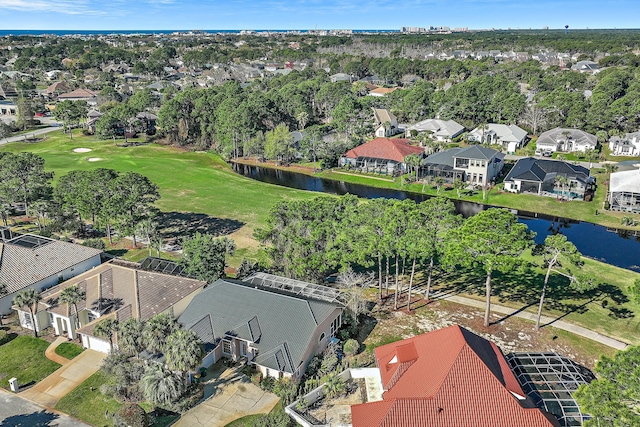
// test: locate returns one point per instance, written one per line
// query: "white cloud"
(68, 7)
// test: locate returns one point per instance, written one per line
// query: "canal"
(616, 247)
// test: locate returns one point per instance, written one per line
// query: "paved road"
(18, 412)
(29, 135)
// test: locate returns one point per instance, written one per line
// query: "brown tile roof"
(383, 91)
(78, 93)
(128, 292)
(22, 266)
(383, 148)
(58, 87)
(448, 378)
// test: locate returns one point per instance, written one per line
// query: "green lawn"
(249, 420)
(23, 358)
(196, 182)
(69, 350)
(88, 404)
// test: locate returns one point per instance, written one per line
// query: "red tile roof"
(384, 148)
(448, 378)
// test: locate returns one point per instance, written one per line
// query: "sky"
(312, 14)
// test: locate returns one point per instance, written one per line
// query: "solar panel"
(159, 265)
(30, 241)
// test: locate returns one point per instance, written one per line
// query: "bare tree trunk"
(413, 270)
(109, 233)
(429, 274)
(386, 283)
(379, 276)
(488, 296)
(544, 290)
(395, 299)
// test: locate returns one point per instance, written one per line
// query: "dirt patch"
(513, 335)
(82, 150)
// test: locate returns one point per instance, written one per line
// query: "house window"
(226, 346)
(91, 317)
(50, 318)
(27, 320)
(322, 335)
(243, 348)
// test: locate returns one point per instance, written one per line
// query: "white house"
(628, 145)
(511, 137)
(385, 123)
(624, 191)
(567, 140)
(30, 261)
(438, 130)
(111, 291)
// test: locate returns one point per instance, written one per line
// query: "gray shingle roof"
(22, 266)
(280, 325)
(479, 152)
(537, 170)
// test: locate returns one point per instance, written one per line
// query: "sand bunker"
(81, 150)
(94, 159)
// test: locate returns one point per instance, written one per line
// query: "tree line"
(310, 240)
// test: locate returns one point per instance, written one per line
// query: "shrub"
(256, 378)
(267, 383)
(130, 415)
(95, 243)
(351, 347)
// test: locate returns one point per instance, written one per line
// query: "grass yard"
(23, 358)
(250, 420)
(69, 350)
(88, 404)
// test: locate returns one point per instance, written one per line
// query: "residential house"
(87, 95)
(448, 378)
(624, 191)
(381, 91)
(381, 155)
(586, 67)
(540, 176)
(340, 77)
(8, 111)
(112, 291)
(438, 130)
(510, 137)
(147, 122)
(385, 123)
(567, 140)
(7, 92)
(28, 261)
(628, 145)
(275, 323)
(476, 165)
(56, 89)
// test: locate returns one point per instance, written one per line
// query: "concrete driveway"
(231, 396)
(50, 390)
(18, 412)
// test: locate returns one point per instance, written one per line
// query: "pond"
(616, 247)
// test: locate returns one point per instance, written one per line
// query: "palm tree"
(183, 350)
(160, 385)
(302, 118)
(156, 331)
(130, 338)
(106, 328)
(413, 161)
(29, 298)
(334, 386)
(72, 296)
(562, 180)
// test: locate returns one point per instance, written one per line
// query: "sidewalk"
(544, 320)
(50, 352)
(50, 390)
